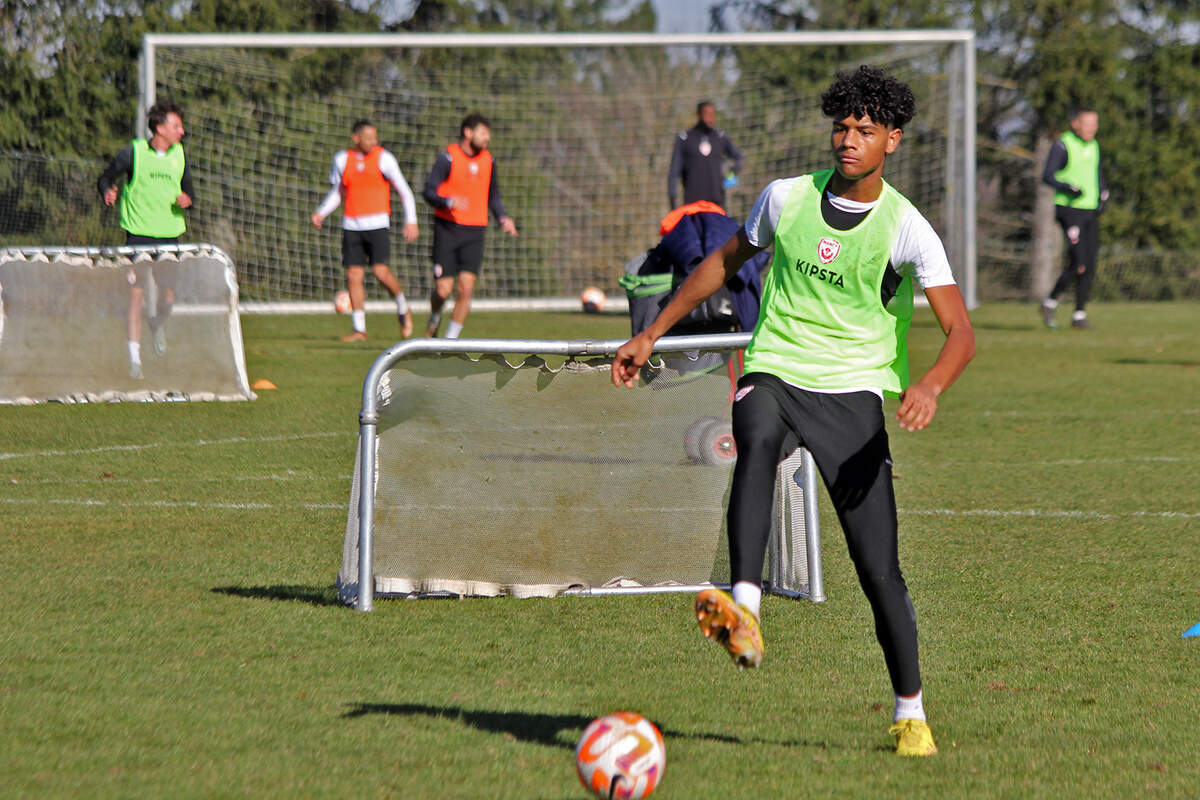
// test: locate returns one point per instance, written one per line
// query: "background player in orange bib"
(365, 175)
(462, 188)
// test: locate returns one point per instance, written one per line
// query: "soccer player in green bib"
(158, 187)
(829, 344)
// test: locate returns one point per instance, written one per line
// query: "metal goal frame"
(368, 420)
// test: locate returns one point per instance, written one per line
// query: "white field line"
(1045, 513)
(924, 512)
(91, 503)
(116, 448)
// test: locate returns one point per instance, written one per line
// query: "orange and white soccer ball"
(621, 755)
(341, 302)
(593, 300)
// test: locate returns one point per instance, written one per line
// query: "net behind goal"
(583, 129)
(503, 467)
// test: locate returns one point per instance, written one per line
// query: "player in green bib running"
(829, 344)
(158, 187)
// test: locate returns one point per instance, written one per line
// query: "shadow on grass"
(313, 595)
(540, 728)
(1156, 362)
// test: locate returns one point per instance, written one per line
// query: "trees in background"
(68, 82)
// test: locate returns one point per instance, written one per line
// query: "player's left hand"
(918, 404)
(508, 226)
(183, 201)
(410, 232)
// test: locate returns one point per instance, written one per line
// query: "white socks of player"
(135, 353)
(1078, 315)
(453, 329)
(401, 304)
(749, 595)
(358, 318)
(1050, 302)
(909, 708)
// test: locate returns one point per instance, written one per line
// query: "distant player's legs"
(468, 258)
(442, 287)
(464, 287)
(390, 282)
(1085, 263)
(133, 328)
(138, 276)
(355, 276)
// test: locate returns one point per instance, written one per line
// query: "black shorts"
(164, 271)
(365, 248)
(456, 248)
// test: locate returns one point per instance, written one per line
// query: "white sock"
(909, 708)
(135, 353)
(1079, 315)
(749, 595)
(453, 329)
(358, 318)
(401, 304)
(1050, 302)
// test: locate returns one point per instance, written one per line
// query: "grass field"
(169, 625)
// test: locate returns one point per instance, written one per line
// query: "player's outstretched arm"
(918, 404)
(718, 266)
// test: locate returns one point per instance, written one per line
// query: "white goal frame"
(960, 155)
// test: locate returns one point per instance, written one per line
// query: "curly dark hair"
(869, 92)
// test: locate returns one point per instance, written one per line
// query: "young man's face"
(860, 146)
(170, 130)
(1085, 125)
(366, 138)
(708, 115)
(478, 137)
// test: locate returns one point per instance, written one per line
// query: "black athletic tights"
(845, 434)
(1081, 227)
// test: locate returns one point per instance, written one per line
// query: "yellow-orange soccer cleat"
(731, 625)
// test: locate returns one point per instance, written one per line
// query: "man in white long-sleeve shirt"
(365, 175)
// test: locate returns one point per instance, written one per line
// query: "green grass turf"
(169, 626)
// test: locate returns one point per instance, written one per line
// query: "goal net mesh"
(582, 138)
(517, 475)
(63, 326)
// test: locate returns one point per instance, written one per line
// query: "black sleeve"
(494, 202)
(437, 176)
(185, 183)
(120, 167)
(675, 171)
(732, 151)
(1054, 162)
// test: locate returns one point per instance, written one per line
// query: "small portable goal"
(493, 467)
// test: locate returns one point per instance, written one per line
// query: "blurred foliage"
(68, 79)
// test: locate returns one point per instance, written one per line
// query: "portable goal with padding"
(514, 467)
(63, 329)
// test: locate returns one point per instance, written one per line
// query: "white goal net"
(583, 128)
(64, 325)
(507, 467)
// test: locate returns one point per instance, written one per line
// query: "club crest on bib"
(705, 147)
(472, 167)
(828, 249)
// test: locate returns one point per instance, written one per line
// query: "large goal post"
(583, 126)
(513, 467)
